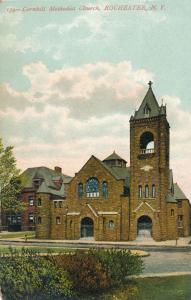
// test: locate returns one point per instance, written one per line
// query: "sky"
(73, 72)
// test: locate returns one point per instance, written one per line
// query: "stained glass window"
(92, 187)
(105, 189)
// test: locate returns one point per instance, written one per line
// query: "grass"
(18, 234)
(5, 249)
(171, 288)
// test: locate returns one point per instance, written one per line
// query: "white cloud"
(10, 41)
(85, 86)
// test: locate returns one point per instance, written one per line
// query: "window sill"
(149, 198)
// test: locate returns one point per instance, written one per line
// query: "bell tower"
(149, 167)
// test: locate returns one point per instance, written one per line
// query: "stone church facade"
(110, 201)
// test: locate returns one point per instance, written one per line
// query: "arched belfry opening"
(144, 227)
(87, 228)
(147, 144)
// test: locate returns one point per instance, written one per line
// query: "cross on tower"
(150, 83)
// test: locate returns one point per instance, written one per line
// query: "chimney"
(58, 170)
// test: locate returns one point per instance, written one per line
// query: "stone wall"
(100, 209)
(149, 169)
(44, 212)
(172, 215)
(184, 230)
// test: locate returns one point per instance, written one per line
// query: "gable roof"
(178, 193)
(151, 103)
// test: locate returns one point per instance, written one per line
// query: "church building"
(110, 201)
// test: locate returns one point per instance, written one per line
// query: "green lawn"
(166, 288)
(17, 234)
(5, 249)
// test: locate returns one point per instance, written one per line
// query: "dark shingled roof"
(114, 156)
(118, 172)
(42, 172)
(178, 193)
(152, 104)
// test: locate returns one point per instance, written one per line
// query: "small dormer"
(114, 160)
(147, 111)
(37, 182)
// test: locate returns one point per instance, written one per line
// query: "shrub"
(27, 274)
(119, 263)
(86, 271)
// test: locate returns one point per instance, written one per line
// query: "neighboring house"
(36, 180)
(106, 200)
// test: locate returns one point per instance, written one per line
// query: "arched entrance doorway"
(87, 228)
(144, 227)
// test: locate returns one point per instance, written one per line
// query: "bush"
(30, 276)
(119, 263)
(86, 271)
(27, 274)
(99, 269)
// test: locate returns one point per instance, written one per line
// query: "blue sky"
(69, 81)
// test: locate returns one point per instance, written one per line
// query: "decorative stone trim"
(150, 206)
(108, 213)
(55, 200)
(73, 213)
(93, 211)
(136, 209)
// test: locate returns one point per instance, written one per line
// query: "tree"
(10, 185)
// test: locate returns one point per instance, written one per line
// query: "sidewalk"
(182, 242)
(166, 274)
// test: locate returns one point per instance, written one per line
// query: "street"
(167, 262)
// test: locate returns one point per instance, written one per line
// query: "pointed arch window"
(80, 190)
(105, 189)
(146, 191)
(140, 191)
(92, 187)
(153, 191)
